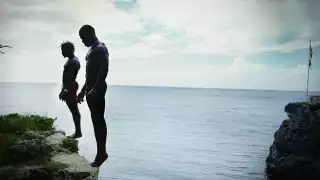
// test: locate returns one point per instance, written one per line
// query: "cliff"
(31, 148)
(295, 152)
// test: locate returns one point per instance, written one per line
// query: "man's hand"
(62, 95)
(92, 93)
(80, 97)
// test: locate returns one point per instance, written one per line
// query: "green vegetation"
(28, 151)
(312, 105)
(21, 140)
(305, 103)
(70, 144)
(6, 141)
(45, 171)
(13, 123)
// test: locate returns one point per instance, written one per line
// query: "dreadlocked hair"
(68, 46)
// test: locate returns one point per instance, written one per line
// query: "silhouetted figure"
(70, 86)
(95, 88)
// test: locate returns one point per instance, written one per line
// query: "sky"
(242, 44)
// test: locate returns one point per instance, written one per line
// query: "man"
(95, 88)
(70, 86)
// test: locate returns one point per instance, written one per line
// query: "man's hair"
(68, 46)
(87, 29)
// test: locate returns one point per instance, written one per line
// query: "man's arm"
(103, 59)
(84, 87)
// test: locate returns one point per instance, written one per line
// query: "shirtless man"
(95, 88)
(70, 86)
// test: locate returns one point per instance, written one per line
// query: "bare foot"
(99, 160)
(75, 136)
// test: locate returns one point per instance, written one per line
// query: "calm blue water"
(169, 133)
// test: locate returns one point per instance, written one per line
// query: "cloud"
(236, 26)
(134, 52)
(160, 42)
(230, 27)
(241, 73)
(103, 15)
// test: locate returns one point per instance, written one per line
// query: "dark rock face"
(295, 152)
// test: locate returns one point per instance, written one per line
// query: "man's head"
(67, 49)
(87, 35)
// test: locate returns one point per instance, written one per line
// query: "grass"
(45, 171)
(52, 167)
(19, 140)
(311, 105)
(25, 152)
(14, 123)
(6, 141)
(70, 144)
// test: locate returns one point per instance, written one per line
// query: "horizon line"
(178, 87)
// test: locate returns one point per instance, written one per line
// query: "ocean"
(169, 133)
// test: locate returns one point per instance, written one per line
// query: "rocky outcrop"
(295, 152)
(31, 149)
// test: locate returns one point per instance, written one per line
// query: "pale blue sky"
(204, 43)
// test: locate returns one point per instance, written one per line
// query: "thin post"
(309, 66)
(308, 84)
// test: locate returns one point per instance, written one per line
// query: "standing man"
(95, 88)
(70, 86)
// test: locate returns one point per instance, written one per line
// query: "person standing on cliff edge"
(95, 88)
(70, 86)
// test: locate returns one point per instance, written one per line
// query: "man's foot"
(99, 160)
(75, 136)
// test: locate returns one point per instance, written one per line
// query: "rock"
(31, 172)
(78, 167)
(295, 151)
(38, 174)
(56, 138)
(30, 147)
(55, 157)
(60, 131)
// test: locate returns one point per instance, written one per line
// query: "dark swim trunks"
(73, 93)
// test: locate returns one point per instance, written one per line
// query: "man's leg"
(97, 108)
(103, 127)
(73, 107)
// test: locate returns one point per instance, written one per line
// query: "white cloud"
(156, 40)
(162, 71)
(244, 74)
(234, 26)
(103, 15)
(241, 73)
(134, 52)
(229, 27)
